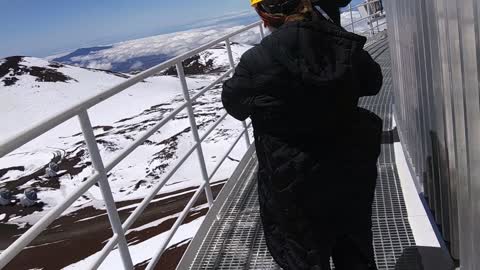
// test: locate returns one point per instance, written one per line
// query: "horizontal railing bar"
(212, 128)
(374, 26)
(17, 140)
(365, 4)
(212, 84)
(7, 255)
(176, 225)
(143, 205)
(362, 19)
(380, 24)
(226, 154)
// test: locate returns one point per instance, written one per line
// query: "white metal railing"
(100, 175)
(101, 169)
(371, 15)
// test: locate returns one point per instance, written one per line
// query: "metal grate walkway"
(233, 238)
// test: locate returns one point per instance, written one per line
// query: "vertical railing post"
(369, 12)
(377, 4)
(232, 64)
(351, 17)
(230, 54)
(105, 189)
(196, 136)
(262, 33)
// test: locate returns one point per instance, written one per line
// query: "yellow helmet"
(254, 2)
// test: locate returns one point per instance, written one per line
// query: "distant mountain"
(137, 55)
(80, 58)
(140, 54)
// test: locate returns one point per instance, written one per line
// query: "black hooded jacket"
(317, 150)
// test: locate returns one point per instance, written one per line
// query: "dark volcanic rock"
(13, 67)
(16, 168)
(192, 66)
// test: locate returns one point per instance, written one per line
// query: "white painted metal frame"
(100, 175)
(101, 169)
(352, 23)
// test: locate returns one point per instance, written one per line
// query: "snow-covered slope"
(32, 90)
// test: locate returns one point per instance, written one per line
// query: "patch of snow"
(46, 244)
(35, 95)
(36, 161)
(422, 229)
(35, 62)
(219, 57)
(160, 221)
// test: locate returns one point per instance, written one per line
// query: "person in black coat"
(317, 150)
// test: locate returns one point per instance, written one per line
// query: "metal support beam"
(105, 189)
(196, 136)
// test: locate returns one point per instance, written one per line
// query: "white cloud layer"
(174, 44)
(169, 44)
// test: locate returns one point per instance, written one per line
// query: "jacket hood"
(316, 51)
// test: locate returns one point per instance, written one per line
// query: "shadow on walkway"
(424, 258)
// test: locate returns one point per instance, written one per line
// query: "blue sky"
(46, 27)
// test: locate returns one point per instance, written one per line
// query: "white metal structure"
(101, 169)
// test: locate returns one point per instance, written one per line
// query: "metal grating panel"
(236, 241)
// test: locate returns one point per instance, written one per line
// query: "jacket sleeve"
(238, 93)
(370, 75)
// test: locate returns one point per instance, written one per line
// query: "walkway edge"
(422, 230)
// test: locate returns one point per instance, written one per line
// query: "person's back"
(317, 150)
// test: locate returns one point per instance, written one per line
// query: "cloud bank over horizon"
(143, 53)
(146, 52)
(161, 47)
